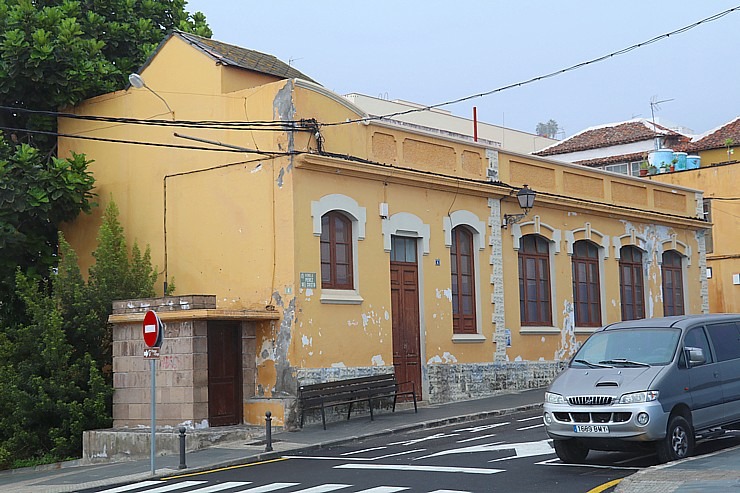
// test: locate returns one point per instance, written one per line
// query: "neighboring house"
(415, 116)
(328, 245)
(718, 176)
(621, 147)
(617, 147)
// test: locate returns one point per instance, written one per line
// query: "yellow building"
(346, 246)
(718, 177)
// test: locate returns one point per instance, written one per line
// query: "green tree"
(549, 129)
(55, 379)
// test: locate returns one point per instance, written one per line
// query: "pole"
(268, 431)
(182, 449)
(153, 415)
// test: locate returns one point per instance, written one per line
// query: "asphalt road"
(508, 453)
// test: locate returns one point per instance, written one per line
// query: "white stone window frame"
(684, 251)
(602, 241)
(358, 216)
(478, 228)
(554, 237)
(639, 242)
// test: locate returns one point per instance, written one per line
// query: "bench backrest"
(347, 387)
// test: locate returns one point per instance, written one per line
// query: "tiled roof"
(242, 57)
(609, 135)
(715, 139)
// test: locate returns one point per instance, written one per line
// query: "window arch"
(336, 251)
(462, 266)
(672, 273)
(535, 305)
(631, 283)
(586, 284)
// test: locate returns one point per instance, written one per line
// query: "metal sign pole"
(153, 414)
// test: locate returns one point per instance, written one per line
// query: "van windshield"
(627, 348)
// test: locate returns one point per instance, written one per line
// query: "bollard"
(268, 431)
(182, 449)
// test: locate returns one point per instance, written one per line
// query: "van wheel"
(570, 451)
(678, 442)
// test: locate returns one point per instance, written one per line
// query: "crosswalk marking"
(474, 429)
(161, 489)
(220, 486)
(403, 467)
(129, 487)
(482, 437)
(529, 419)
(384, 489)
(266, 488)
(322, 488)
(363, 451)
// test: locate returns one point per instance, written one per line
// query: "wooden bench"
(353, 390)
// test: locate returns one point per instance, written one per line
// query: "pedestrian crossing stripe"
(234, 487)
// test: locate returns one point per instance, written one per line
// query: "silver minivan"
(656, 382)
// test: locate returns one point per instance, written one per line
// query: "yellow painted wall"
(718, 183)
(239, 225)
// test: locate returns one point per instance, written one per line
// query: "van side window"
(697, 338)
(725, 339)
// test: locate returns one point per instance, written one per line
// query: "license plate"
(590, 429)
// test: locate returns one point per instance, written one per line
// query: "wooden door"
(224, 374)
(405, 311)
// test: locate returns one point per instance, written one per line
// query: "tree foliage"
(55, 379)
(549, 129)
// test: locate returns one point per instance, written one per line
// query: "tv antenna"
(655, 105)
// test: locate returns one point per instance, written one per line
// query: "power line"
(153, 144)
(275, 125)
(546, 76)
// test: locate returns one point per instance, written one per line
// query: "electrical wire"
(152, 144)
(276, 125)
(546, 76)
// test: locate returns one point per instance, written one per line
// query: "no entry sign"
(153, 329)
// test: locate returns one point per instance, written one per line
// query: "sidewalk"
(720, 470)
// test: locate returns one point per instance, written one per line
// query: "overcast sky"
(432, 51)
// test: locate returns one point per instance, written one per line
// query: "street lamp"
(525, 196)
(138, 82)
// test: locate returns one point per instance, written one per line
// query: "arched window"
(631, 283)
(463, 281)
(672, 272)
(336, 251)
(534, 281)
(586, 284)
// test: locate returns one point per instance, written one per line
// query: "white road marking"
(529, 419)
(363, 450)
(172, 486)
(448, 491)
(220, 486)
(483, 427)
(400, 453)
(402, 467)
(266, 488)
(557, 462)
(522, 449)
(424, 439)
(385, 489)
(531, 427)
(482, 437)
(129, 487)
(322, 488)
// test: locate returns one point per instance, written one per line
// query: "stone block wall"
(181, 370)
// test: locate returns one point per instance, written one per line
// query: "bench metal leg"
(370, 406)
(323, 416)
(349, 412)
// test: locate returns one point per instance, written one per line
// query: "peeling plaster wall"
(456, 382)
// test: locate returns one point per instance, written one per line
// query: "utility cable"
(546, 76)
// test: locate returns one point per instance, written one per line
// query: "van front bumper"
(612, 422)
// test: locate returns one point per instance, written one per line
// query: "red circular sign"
(152, 329)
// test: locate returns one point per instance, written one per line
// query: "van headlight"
(552, 398)
(638, 397)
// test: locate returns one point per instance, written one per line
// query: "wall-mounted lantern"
(525, 196)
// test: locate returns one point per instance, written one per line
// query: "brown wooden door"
(224, 374)
(405, 312)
